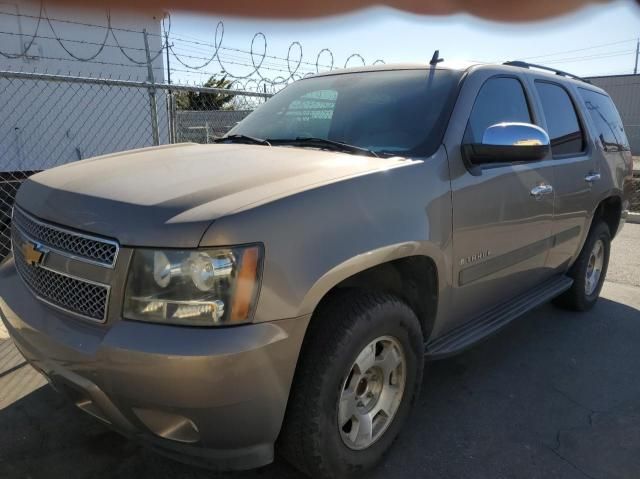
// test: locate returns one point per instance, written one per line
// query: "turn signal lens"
(243, 297)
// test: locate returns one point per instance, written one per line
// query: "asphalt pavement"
(555, 395)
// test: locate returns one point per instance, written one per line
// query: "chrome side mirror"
(509, 143)
(515, 134)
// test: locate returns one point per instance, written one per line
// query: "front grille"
(84, 247)
(77, 296)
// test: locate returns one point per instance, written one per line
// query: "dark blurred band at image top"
(500, 10)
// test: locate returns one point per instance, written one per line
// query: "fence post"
(153, 104)
(172, 117)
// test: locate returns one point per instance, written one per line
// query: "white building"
(82, 33)
(48, 123)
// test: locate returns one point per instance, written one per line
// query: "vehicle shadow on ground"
(556, 394)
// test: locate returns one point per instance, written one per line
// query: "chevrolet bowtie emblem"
(32, 255)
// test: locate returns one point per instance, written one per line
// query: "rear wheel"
(358, 375)
(589, 271)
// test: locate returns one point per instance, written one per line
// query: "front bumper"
(211, 396)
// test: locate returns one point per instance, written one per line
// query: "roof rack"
(522, 64)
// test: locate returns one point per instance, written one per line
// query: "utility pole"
(166, 43)
(171, 100)
(635, 69)
(152, 93)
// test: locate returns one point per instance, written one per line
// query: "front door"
(501, 229)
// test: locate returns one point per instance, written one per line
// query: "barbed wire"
(72, 40)
(74, 22)
(72, 55)
(293, 63)
(99, 62)
(153, 57)
(33, 38)
(232, 61)
(262, 70)
(253, 65)
(181, 39)
(240, 60)
(109, 31)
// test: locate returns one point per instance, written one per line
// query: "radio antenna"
(435, 59)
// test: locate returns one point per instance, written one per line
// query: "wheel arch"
(405, 270)
(609, 210)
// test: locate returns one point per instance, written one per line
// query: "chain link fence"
(635, 194)
(205, 126)
(50, 120)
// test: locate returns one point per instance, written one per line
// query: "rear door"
(574, 169)
(500, 230)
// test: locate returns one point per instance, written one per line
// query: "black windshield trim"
(237, 138)
(322, 142)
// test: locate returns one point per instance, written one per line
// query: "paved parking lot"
(555, 395)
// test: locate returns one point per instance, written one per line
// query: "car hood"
(168, 196)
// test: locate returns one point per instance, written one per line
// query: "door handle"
(541, 190)
(592, 177)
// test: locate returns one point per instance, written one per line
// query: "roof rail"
(522, 64)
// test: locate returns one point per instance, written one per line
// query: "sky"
(598, 40)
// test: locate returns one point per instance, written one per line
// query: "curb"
(633, 218)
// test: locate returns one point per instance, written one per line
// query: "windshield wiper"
(324, 143)
(242, 139)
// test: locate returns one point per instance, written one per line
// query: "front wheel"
(358, 375)
(589, 271)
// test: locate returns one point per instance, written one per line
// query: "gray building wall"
(625, 93)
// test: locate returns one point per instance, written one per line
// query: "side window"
(607, 120)
(565, 133)
(499, 100)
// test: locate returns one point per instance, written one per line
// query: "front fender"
(365, 261)
(316, 238)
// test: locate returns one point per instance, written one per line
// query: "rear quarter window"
(606, 119)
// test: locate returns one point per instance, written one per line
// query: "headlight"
(194, 287)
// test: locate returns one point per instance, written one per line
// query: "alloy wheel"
(372, 392)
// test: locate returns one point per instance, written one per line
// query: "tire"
(583, 295)
(342, 328)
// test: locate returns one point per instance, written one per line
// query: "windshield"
(401, 112)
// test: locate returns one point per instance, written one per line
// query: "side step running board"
(494, 319)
